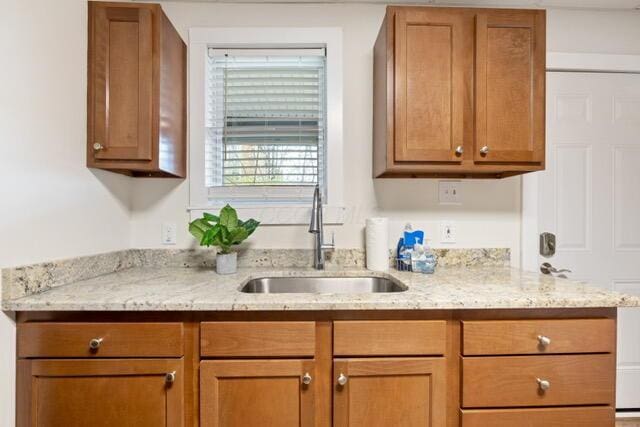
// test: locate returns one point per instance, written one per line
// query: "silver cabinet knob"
(544, 341)
(95, 343)
(543, 385)
(342, 379)
(170, 377)
(459, 149)
(97, 146)
(306, 378)
(484, 150)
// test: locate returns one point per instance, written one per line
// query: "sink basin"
(321, 285)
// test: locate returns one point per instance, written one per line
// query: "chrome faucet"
(317, 229)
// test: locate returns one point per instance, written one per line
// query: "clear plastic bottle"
(423, 260)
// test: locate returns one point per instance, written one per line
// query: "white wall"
(489, 215)
(51, 205)
(580, 31)
(490, 212)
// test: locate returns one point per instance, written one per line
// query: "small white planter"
(227, 263)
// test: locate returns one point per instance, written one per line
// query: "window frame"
(268, 204)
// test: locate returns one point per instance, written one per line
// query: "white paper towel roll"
(377, 244)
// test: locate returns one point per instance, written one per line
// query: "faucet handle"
(331, 245)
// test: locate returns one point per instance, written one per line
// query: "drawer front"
(513, 380)
(487, 337)
(389, 338)
(257, 339)
(547, 417)
(54, 339)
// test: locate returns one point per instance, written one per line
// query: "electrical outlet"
(449, 192)
(168, 233)
(447, 232)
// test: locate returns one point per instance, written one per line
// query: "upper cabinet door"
(123, 82)
(431, 47)
(510, 86)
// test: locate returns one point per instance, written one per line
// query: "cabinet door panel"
(100, 393)
(430, 49)
(123, 80)
(238, 393)
(510, 69)
(390, 392)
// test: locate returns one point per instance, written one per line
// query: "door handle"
(547, 268)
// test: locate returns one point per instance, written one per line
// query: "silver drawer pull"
(306, 378)
(543, 385)
(95, 343)
(484, 150)
(170, 377)
(544, 341)
(342, 379)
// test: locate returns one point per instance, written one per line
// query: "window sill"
(277, 215)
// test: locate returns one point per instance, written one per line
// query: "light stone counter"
(200, 288)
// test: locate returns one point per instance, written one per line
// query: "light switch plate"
(449, 192)
(168, 233)
(447, 232)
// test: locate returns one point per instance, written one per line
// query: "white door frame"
(571, 62)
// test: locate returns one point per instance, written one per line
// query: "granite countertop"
(166, 288)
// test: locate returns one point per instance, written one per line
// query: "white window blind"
(265, 117)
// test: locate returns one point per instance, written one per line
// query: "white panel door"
(589, 196)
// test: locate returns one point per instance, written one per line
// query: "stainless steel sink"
(321, 285)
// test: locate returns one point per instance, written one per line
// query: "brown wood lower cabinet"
(516, 380)
(100, 393)
(547, 417)
(389, 392)
(240, 393)
(460, 368)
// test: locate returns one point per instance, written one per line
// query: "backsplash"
(35, 278)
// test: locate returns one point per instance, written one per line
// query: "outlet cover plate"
(447, 232)
(168, 236)
(449, 192)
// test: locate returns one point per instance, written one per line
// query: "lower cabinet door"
(270, 393)
(389, 392)
(100, 393)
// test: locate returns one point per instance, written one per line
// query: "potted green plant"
(223, 231)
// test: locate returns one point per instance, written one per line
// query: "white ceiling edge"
(629, 5)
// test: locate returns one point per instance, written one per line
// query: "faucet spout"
(316, 227)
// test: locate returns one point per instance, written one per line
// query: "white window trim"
(268, 37)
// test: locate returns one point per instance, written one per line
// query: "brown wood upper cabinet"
(136, 91)
(459, 92)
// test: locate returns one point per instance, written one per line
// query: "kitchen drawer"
(546, 417)
(257, 339)
(495, 337)
(509, 381)
(389, 338)
(54, 339)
